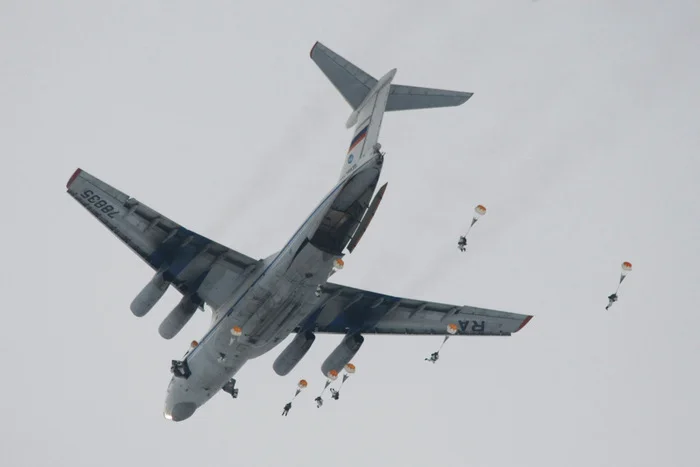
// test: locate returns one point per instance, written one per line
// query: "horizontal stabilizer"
(413, 97)
(355, 85)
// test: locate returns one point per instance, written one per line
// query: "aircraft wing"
(195, 263)
(344, 309)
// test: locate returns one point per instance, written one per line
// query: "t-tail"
(370, 98)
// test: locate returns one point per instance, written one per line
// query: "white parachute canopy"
(451, 331)
(337, 266)
(479, 211)
(332, 376)
(626, 269)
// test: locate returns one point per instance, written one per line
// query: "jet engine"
(176, 319)
(342, 354)
(150, 294)
(293, 353)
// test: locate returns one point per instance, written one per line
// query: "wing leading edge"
(346, 310)
(197, 266)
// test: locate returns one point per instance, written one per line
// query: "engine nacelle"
(293, 353)
(342, 354)
(150, 294)
(176, 319)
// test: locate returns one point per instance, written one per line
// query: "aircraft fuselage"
(279, 293)
(276, 297)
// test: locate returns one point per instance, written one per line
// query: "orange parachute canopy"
(302, 384)
(339, 263)
(350, 368)
(194, 344)
(236, 331)
(452, 328)
(332, 375)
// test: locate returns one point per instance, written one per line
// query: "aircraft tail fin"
(355, 84)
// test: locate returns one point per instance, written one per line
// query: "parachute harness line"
(443, 343)
(451, 330)
(301, 385)
(349, 370)
(332, 376)
(626, 269)
(236, 332)
(337, 266)
(479, 211)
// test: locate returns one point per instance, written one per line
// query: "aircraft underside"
(257, 303)
(276, 304)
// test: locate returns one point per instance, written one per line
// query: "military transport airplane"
(256, 304)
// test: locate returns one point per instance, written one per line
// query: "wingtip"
(466, 96)
(73, 177)
(525, 321)
(311, 53)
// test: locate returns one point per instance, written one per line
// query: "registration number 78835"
(98, 203)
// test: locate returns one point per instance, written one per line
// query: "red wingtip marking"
(73, 177)
(312, 49)
(525, 321)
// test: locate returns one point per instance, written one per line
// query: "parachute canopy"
(626, 268)
(194, 344)
(236, 331)
(332, 375)
(452, 328)
(302, 384)
(479, 211)
(350, 368)
(338, 263)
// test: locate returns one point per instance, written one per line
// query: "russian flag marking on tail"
(358, 138)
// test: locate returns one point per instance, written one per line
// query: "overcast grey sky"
(581, 139)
